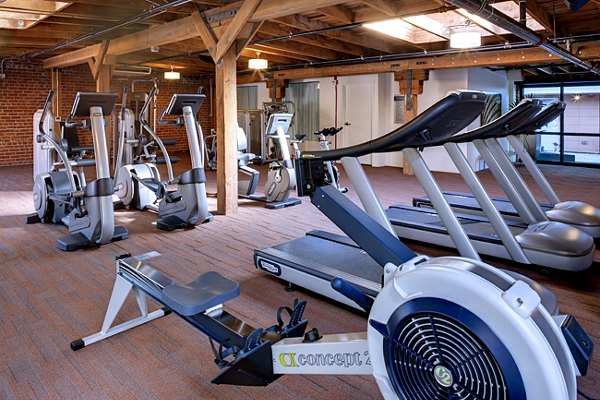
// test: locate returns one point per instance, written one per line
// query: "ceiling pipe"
(94, 34)
(485, 11)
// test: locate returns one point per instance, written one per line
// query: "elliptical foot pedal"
(74, 242)
(275, 205)
(171, 223)
(121, 233)
(32, 219)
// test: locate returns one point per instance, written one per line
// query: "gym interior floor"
(48, 297)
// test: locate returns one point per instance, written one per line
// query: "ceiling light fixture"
(172, 74)
(258, 63)
(465, 40)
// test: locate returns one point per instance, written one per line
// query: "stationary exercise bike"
(61, 196)
(139, 185)
(447, 327)
(332, 174)
(281, 178)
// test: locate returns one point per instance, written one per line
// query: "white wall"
(383, 89)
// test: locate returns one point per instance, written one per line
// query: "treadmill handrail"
(443, 119)
(543, 118)
(504, 125)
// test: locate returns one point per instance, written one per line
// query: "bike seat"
(300, 136)
(206, 291)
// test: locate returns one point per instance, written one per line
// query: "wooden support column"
(226, 102)
(410, 84)
(277, 89)
(57, 100)
(224, 49)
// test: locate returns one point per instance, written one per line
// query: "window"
(305, 97)
(247, 97)
(575, 136)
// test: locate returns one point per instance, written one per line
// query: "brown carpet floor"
(48, 297)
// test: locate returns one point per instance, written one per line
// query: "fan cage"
(430, 354)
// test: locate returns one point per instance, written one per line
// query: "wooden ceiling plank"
(270, 9)
(348, 36)
(540, 15)
(276, 30)
(385, 6)
(246, 35)
(303, 49)
(338, 12)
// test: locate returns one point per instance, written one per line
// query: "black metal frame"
(562, 134)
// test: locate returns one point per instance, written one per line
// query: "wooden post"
(226, 102)
(410, 84)
(277, 89)
(57, 101)
(104, 76)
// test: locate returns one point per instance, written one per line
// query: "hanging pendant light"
(258, 63)
(172, 74)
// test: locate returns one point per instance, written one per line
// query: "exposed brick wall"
(22, 92)
(26, 87)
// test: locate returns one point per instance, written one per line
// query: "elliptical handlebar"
(57, 147)
(144, 124)
(47, 105)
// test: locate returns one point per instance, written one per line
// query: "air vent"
(131, 70)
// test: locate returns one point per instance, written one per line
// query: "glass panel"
(548, 147)
(583, 109)
(582, 149)
(548, 94)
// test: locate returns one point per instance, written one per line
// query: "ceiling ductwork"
(484, 10)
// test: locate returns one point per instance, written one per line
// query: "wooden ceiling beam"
(72, 58)
(231, 34)
(459, 60)
(281, 52)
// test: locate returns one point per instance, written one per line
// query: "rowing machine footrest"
(206, 291)
(252, 368)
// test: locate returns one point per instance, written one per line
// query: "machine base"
(78, 241)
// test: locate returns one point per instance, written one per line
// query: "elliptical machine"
(60, 196)
(139, 185)
(281, 178)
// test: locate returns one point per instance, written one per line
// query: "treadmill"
(314, 260)
(535, 241)
(575, 213)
